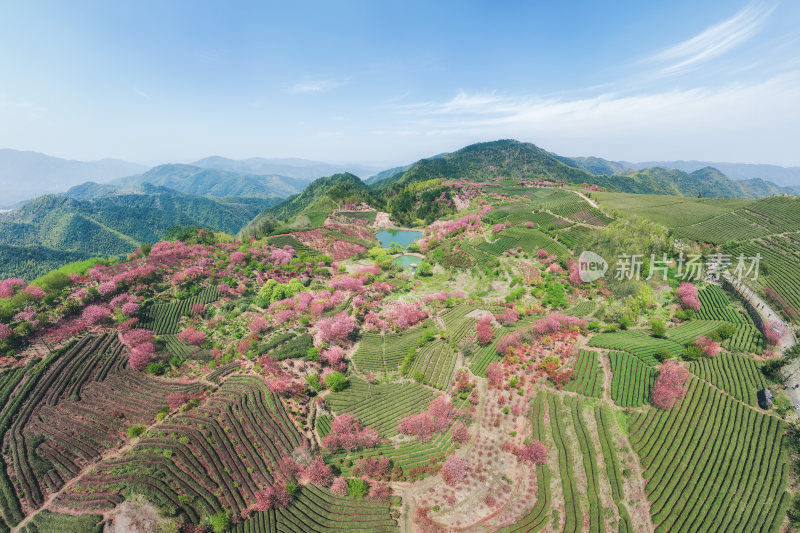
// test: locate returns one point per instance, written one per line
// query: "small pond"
(407, 261)
(398, 236)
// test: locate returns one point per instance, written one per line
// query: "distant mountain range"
(784, 176)
(118, 210)
(302, 169)
(25, 175)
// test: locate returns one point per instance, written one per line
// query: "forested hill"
(190, 179)
(42, 234)
(517, 160)
(314, 204)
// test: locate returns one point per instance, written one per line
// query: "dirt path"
(591, 202)
(112, 454)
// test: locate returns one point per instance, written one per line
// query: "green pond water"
(397, 236)
(407, 261)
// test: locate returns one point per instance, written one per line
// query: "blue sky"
(392, 81)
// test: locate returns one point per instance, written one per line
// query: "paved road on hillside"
(791, 372)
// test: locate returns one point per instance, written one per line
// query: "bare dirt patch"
(136, 515)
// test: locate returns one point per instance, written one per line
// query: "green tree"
(658, 328)
(336, 381)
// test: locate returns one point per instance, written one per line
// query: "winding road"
(790, 372)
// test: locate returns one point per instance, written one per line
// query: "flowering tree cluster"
(334, 357)
(258, 325)
(339, 486)
(281, 256)
(460, 432)
(238, 257)
(439, 415)
(140, 343)
(508, 316)
(372, 467)
(347, 283)
(95, 314)
(669, 386)
(497, 228)
(177, 399)
(35, 292)
(494, 373)
(533, 453)
(708, 346)
(574, 273)
(507, 344)
(454, 470)
(9, 286)
(773, 331)
(192, 336)
(318, 473)
(275, 496)
(347, 433)
(398, 317)
(485, 333)
(334, 329)
(379, 491)
(556, 321)
(687, 293)
(443, 228)
(5, 331)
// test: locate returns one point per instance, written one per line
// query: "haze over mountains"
(25, 175)
(113, 214)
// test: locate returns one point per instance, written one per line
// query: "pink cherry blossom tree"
(192, 336)
(485, 333)
(687, 293)
(669, 386)
(494, 372)
(454, 470)
(318, 472)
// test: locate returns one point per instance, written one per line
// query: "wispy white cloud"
(314, 86)
(702, 121)
(714, 41)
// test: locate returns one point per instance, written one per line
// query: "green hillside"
(190, 179)
(313, 205)
(55, 229)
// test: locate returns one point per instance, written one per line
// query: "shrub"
(155, 368)
(219, 522)
(136, 430)
(336, 381)
(658, 328)
(357, 488)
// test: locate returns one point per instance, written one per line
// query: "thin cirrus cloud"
(314, 86)
(714, 41)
